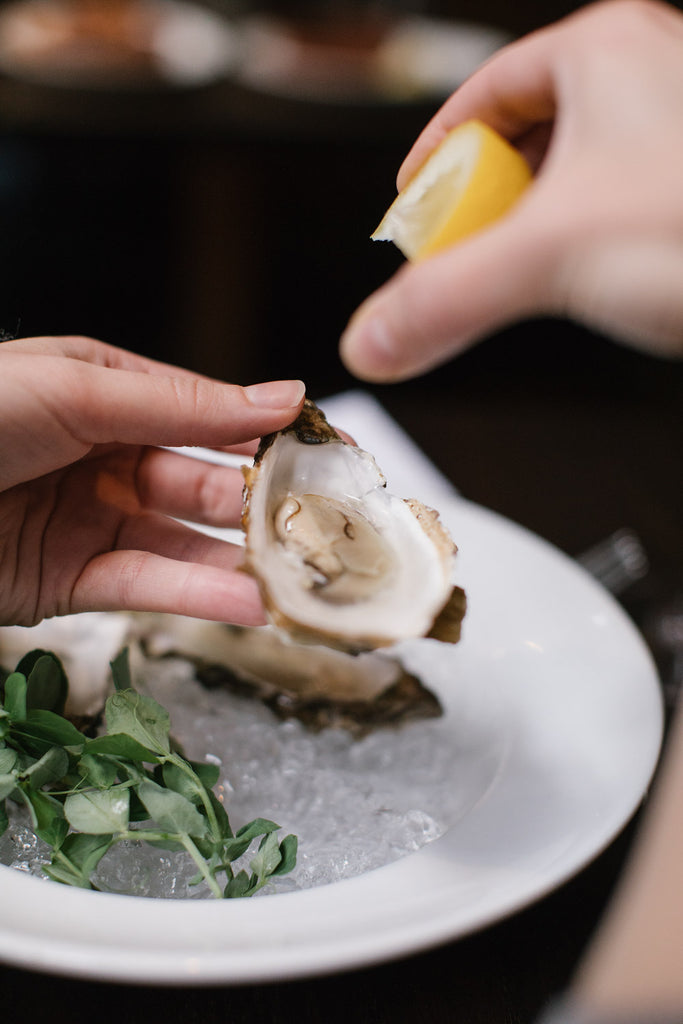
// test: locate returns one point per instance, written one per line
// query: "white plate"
(554, 699)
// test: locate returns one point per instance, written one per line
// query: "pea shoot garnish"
(84, 794)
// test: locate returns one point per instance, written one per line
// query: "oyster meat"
(339, 560)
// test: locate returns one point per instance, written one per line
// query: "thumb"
(432, 310)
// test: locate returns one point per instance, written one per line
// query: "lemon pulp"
(470, 180)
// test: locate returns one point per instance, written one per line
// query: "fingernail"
(368, 348)
(276, 394)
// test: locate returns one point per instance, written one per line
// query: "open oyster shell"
(339, 560)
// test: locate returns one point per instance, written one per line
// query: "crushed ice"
(355, 805)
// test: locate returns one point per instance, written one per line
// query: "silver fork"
(619, 561)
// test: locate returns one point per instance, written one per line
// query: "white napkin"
(408, 471)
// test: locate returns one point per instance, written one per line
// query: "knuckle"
(210, 494)
(131, 572)
(626, 18)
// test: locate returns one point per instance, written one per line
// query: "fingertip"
(368, 348)
(276, 394)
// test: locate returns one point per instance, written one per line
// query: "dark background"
(224, 230)
(228, 231)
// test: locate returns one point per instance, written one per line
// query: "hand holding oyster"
(342, 565)
(339, 560)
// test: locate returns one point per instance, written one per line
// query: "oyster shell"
(320, 686)
(339, 560)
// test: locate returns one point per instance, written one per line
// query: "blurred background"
(197, 181)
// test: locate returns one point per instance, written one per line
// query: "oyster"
(339, 560)
(319, 686)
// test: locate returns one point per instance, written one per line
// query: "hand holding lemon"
(471, 179)
(593, 105)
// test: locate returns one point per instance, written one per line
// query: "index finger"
(108, 405)
(99, 353)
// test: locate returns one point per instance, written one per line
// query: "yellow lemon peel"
(472, 178)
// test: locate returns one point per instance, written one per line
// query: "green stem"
(179, 762)
(203, 866)
(58, 855)
(150, 836)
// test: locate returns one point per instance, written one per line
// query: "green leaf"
(222, 818)
(171, 845)
(139, 717)
(288, 851)
(255, 828)
(86, 851)
(44, 729)
(138, 811)
(208, 774)
(55, 833)
(267, 858)
(15, 696)
(98, 812)
(234, 848)
(78, 857)
(65, 874)
(120, 670)
(238, 886)
(8, 759)
(49, 768)
(182, 782)
(4, 820)
(47, 815)
(98, 771)
(47, 682)
(171, 811)
(121, 745)
(210, 849)
(8, 783)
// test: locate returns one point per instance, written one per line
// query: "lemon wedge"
(472, 177)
